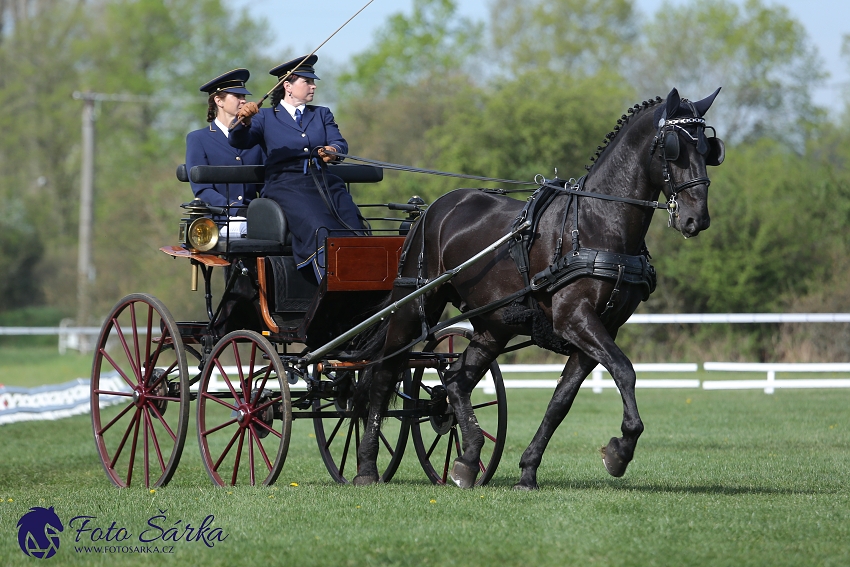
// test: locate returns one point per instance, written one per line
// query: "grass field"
(720, 478)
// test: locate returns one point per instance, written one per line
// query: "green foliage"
(772, 234)
(759, 54)
(562, 36)
(433, 41)
(531, 124)
(162, 50)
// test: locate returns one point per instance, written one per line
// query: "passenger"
(208, 146)
(299, 139)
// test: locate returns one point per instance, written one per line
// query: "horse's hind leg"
(575, 371)
(461, 380)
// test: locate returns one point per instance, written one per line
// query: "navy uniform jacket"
(209, 146)
(288, 181)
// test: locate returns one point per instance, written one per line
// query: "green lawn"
(720, 478)
(36, 366)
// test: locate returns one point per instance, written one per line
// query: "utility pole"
(85, 268)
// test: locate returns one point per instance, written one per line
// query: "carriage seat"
(268, 234)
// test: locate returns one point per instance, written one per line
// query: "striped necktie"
(298, 117)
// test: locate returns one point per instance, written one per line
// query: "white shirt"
(223, 128)
(291, 109)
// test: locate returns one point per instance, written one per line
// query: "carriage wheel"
(244, 414)
(436, 437)
(139, 392)
(338, 435)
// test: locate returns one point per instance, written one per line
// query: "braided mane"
(621, 122)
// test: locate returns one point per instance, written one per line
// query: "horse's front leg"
(575, 371)
(584, 329)
(460, 381)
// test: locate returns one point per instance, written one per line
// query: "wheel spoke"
(135, 328)
(238, 458)
(162, 421)
(133, 448)
(267, 404)
(269, 429)
(218, 427)
(120, 448)
(345, 449)
(256, 397)
(251, 438)
(218, 400)
(226, 379)
(118, 369)
(448, 456)
(116, 418)
(110, 393)
(129, 356)
(485, 404)
(433, 445)
(239, 372)
(386, 443)
(334, 432)
(488, 436)
(227, 449)
(260, 447)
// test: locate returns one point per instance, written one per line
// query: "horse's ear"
(673, 101)
(703, 105)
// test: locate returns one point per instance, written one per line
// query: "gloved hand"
(245, 113)
(328, 154)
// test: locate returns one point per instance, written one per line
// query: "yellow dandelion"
(153, 491)
(358, 506)
(433, 501)
(271, 495)
(687, 401)
(293, 484)
(10, 500)
(230, 492)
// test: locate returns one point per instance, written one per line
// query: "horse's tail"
(368, 346)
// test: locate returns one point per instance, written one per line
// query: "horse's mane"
(621, 123)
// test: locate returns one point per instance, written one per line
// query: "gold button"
(238, 158)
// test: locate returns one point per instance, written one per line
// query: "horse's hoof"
(526, 487)
(364, 480)
(463, 475)
(614, 463)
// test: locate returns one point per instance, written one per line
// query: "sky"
(826, 21)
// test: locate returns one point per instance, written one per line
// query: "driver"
(300, 139)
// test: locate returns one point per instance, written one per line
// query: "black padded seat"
(268, 234)
(266, 221)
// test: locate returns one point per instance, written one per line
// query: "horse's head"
(680, 153)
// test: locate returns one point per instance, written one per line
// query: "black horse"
(585, 250)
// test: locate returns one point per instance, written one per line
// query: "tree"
(163, 49)
(432, 42)
(562, 36)
(759, 54)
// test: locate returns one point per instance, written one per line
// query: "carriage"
(575, 269)
(242, 368)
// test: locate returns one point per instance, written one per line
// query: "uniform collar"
(224, 129)
(291, 109)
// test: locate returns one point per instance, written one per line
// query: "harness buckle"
(672, 210)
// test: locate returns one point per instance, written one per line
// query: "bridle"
(667, 140)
